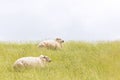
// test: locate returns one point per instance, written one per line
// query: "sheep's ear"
(41, 55)
(58, 38)
(63, 41)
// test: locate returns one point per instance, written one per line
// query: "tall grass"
(75, 61)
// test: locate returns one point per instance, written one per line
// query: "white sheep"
(31, 62)
(53, 44)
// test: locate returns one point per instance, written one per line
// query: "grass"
(75, 61)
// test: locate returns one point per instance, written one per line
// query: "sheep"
(31, 62)
(51, 44)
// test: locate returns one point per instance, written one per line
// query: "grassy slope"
(76, 61)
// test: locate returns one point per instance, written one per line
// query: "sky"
(86, 20)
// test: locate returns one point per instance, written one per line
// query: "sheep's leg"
(19, 66)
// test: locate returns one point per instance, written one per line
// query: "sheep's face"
(45, 58)
(59, 40)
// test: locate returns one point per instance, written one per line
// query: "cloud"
(70, 19)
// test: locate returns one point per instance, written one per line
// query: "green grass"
(75, 61)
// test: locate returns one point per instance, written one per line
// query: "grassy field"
(76, 61)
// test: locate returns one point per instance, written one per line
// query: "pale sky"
(69, 19)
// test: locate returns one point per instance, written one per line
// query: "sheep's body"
(31, 62)
(28, 62)
(51, 43)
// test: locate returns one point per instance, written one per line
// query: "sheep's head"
(45, 58)
(59, 40)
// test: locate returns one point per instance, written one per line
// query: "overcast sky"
(69, 19)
